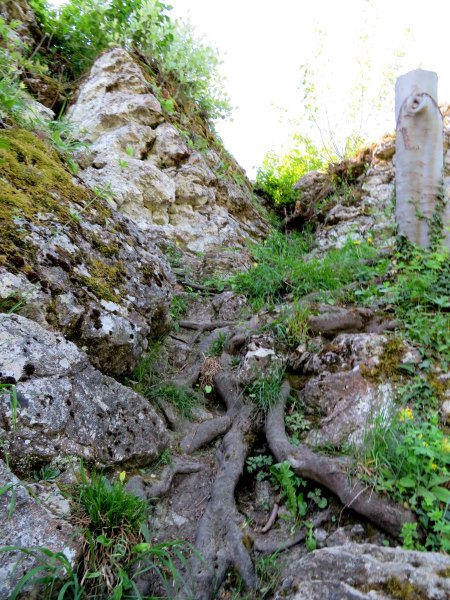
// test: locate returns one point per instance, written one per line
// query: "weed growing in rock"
(183, 398)
(289, 485)
(118, 546)
(265, 391)
(11, 390)
(178, 309)
(420, 292)
(108, 505)
(291, 327)
(218, 344)
(46, 473)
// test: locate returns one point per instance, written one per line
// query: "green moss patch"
(35, 184)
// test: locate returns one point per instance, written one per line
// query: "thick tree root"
(148, 490)
(220, 540)
(332, 473)
(204, 433)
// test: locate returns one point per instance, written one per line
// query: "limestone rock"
(360, 571)
(66, 407)
(345, 402)
(75, 264)
(28, 523)
(154, 177)
(114, 94)
(229, 305)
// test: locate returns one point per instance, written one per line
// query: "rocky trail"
(255, 384)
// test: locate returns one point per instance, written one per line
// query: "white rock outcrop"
(154, 176)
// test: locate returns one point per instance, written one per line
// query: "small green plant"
(11, 389)
(316, 497)
(12, 302)
(259, 464)
(53, 572)
(296, 425)
(109, 506)
(268, 571)
(9, 487)
(46, 473)
(310, 541)
(178, 309)
(265, 390)
(410, 537)
(290, 484)
(182, 397)
(218, 344)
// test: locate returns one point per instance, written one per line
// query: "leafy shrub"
(186, 68)
(278, 174)
(410, 459)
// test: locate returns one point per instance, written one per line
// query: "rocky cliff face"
(191, 192)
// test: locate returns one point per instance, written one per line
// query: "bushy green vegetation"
(117, 548)
(281, 267)
(408, 456)
(278, 174)
(187, 69)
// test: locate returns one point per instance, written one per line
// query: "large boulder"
(57, 405)
(196, 195)
(360, 571)
(28, 523)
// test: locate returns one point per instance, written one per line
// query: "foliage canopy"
(188, 69)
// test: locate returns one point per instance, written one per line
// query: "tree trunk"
(420, 207)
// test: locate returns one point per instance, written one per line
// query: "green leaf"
(103, 540)
(442, 494)
(407, 482)
(144, 547)
(424, 493)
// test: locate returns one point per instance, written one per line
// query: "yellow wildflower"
(406, 414)
(357, 242)
(445, 445)
(122, 476)
(255, 264)
(433, 466)
(370, 240)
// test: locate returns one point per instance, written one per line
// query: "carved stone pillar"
(419, 159)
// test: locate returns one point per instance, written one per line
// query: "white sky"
(262, 44)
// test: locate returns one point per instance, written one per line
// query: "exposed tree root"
(273, 517)
(206, 326)
(333, 474)
(267, 544)
(145, 489)
(220, 537)
(204, 433)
